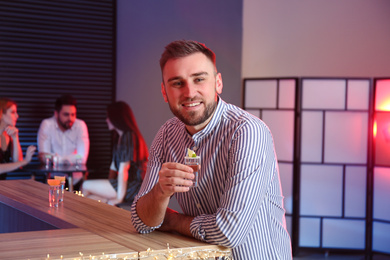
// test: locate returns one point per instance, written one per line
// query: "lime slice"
(61, 178)
(190, 153)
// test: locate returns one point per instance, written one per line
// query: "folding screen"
(323, 135)
(381, 176)
(273, 100)
(334, 163)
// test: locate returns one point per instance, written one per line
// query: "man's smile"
(194, 104)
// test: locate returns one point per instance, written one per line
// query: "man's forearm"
(176, 222)
(151, 208)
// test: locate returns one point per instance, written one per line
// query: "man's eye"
(197, 80)
(176, 84)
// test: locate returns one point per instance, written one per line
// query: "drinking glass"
(55, 161)
(79, 163)
(47, 162)
(54, 195)
(194, 163)
(62, 186)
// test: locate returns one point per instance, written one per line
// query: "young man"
(64, 135)
(238, 202)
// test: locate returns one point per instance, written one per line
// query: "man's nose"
(189, 90)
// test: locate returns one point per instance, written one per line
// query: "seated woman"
(129, 158)
(11, 157)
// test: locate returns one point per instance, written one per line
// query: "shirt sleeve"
(44, 138)
(83, 141)
(151, 178)
(251, 167)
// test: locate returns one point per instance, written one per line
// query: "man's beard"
(66, 125)
(191, 119)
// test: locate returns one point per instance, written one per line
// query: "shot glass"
(194, 163)
(79, 163)
(55, 161)
(54, 195)
(47, 162)
(62, 186)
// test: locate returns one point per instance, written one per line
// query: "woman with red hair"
(11, 156)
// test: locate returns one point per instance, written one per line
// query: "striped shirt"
(238, 202)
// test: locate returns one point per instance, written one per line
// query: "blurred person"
(238, 202)
(64, 135)
(129, 158)
(11, 156)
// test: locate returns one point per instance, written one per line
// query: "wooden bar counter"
(78, 227)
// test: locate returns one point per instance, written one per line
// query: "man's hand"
(175, 177)
(42, 156)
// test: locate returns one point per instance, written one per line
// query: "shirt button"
(198, 205)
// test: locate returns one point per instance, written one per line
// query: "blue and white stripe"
(239, 202)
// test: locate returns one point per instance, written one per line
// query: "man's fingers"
(177, 166)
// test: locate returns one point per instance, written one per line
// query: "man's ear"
(163, 92)
(56, 114)
(218, 83)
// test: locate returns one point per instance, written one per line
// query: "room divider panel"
(381, 174)
(335, 198)
(334, 162)
(274, 101)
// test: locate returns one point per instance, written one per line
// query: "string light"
(103, 256)
(79, 193)
(182, 254)
(149, 254)
(168, 254)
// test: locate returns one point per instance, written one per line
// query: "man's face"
(66, 116)
(190, 86)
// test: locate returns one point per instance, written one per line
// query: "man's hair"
(64, 100)
(183, 48)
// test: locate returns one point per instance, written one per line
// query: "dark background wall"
(50, 48)
(94, 49)
(145, 27)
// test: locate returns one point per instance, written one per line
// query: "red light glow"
(382, 102)
(385, 106)
(375, 129)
